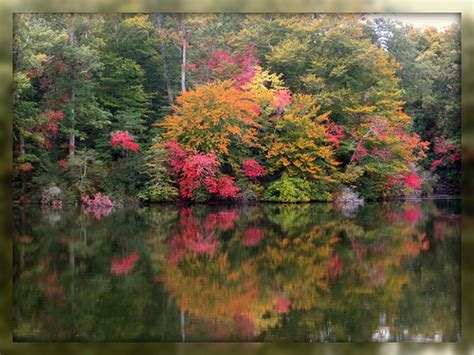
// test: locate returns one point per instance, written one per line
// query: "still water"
(307, 273)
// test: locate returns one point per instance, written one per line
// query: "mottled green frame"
(7, 8)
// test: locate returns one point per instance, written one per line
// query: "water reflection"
(386, 272)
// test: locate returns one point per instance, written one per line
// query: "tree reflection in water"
(388, 272)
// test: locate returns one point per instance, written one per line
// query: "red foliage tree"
(253, 169)
(226, 187)
(196, 170)
(335, 133)
(124, 140)
(97, 201)
(445, 153)
(99, 205)
(176, 155)
(239, 67)
(54, 117)
(48, 126)
(413, 181)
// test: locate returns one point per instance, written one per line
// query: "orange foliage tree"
(214, 117)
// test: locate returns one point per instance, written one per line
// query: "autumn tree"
(300, 143)
(214, 117)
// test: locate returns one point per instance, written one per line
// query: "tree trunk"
(72, 137)
(22, 144)
(183, 67)
(183, 55)
(72, 144)
(163, 52)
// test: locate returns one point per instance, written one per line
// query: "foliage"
(288, 189)
(222, 65)
(252, 169)
(300, 144)
(385, 154)
(160, 184)
(97, 201)
(214, 117)
(125, 177)
(251, 102)
(85, 172)
(122, 139)
(197, 171)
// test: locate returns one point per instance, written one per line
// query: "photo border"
(464, 7)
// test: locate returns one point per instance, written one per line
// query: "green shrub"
(160, 185)
(288, 189)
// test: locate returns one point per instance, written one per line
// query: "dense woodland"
(285, 108)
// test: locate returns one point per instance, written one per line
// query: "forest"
(122, 108)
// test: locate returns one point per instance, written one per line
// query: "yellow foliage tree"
(300, 142)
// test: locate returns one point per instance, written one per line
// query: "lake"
(268, 272)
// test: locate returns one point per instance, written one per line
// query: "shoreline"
(250, 203)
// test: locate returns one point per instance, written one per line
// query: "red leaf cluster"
(253, 169)
(124, 140)
(360, 151)
(413, 181)
(282, 99)
(60, 67)
(446, 153)
(99, 206)
(98, 200)
(334, 132)
(226, 187)
(240, 67)
(176, 155)
(63, 163)
(25, 167)
(54, 118)
(195, 170)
